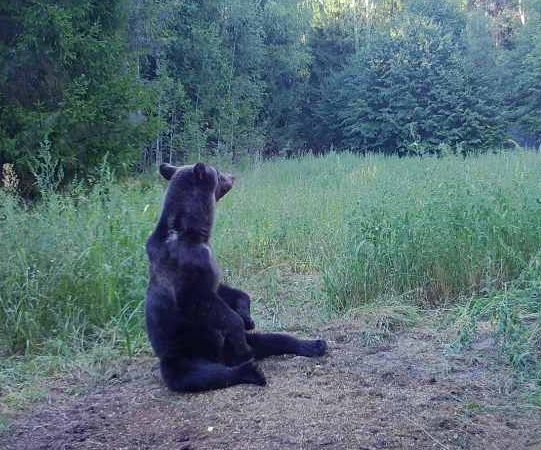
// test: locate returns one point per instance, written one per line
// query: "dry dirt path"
(406, 393)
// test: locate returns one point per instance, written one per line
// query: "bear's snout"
(225, 183)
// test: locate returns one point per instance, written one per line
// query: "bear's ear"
(200, 171)
(167, 170)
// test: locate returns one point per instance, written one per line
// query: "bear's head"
(191, 198)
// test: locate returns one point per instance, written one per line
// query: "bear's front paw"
(251, 373)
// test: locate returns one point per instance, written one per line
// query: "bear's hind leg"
(269, 344)
(202, 375)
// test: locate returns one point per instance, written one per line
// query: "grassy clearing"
(308, 237)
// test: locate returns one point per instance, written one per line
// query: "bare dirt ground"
(404, 392)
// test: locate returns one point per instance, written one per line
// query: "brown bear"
(198, 326)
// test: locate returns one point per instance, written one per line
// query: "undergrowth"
(332, 234)
(513, 314)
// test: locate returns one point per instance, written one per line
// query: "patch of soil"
(402, 393)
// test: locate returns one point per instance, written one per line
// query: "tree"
(411, 88)
(285, 74)
(68, 80)
(522, 81)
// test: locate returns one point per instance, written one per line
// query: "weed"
(514, 316)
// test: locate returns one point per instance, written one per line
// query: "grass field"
(328, 236)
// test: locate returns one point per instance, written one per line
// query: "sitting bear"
(197, 325)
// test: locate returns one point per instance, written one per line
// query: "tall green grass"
(377, 227)
(342, 230)
(73, 268)
(513, 315)
(437, 228)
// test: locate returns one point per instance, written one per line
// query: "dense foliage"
(411, 88)
(140, 81)
(68, 84)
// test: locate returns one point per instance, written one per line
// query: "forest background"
(144, 81)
